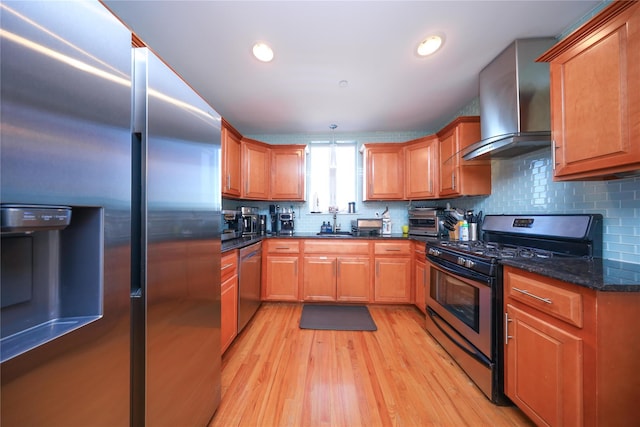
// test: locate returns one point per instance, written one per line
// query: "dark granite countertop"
(241, 242)
(594, 273)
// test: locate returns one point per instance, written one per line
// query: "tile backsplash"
(525, 184)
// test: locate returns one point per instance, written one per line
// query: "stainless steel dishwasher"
(249, 278)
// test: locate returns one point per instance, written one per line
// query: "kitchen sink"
(336, 234)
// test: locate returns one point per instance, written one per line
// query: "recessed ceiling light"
(429, 45)
(343, 83)
(262, 52)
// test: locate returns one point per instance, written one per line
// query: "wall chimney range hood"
(515, 112)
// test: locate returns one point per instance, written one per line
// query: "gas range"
(496, 250)
(522, 236)
(464, 302)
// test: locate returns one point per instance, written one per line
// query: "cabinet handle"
(506, 328)
(529, 294)
(282, 247)
(392, 249)
(224, 267)
(554, 147)
(453, 180)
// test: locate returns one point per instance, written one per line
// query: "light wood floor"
(276, 374)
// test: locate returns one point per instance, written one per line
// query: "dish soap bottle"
(464, 230)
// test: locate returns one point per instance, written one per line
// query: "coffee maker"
(286, 221)
(250, 220)
(231, 224)
(273, 216)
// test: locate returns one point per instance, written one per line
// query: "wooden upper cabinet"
(255, 170)
(421, 166)
(595, 96)
(462, 177)
(384, 171)
(231, 177)
(288, 172)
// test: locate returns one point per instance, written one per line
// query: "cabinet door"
(595, 100)
(229, 311)
(281, 278)
(393, 280)
(319, 283)
(457, 176)
(255, 173)
(353, 282)
(449, 164)
(420, 161)
(384, 177)
(231, 163)
(421, 286)
(287, 173)
(544, 367)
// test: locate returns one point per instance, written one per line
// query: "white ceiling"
(317, 44)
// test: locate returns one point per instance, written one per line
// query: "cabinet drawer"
(336, 247)
(283, 246)
(229, 265)
(393, 248)
(556, 301)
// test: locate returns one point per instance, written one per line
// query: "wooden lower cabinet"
(572, 354)
(422, 276)
(228, 298)
(353, 279)
(329, 278)
(393, 280)
(319, 283)
(544, 371)
(336, 270)
(280, 268)
(393, 271)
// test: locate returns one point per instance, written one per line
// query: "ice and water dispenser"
(51, 273)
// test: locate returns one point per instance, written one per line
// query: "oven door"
(464, 303)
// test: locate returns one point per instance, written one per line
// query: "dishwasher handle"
(249, 255)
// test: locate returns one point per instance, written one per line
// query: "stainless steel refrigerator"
(176, 286)
(112, 318)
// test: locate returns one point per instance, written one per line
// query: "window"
(332, 175)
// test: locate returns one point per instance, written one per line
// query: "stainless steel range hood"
(515, 114)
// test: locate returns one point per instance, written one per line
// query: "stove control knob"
(461, 261)
(434, 251)
(469, 264)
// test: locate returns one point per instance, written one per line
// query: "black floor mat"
(337, 317)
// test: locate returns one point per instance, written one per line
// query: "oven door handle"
(465, 346)
(467, 274)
